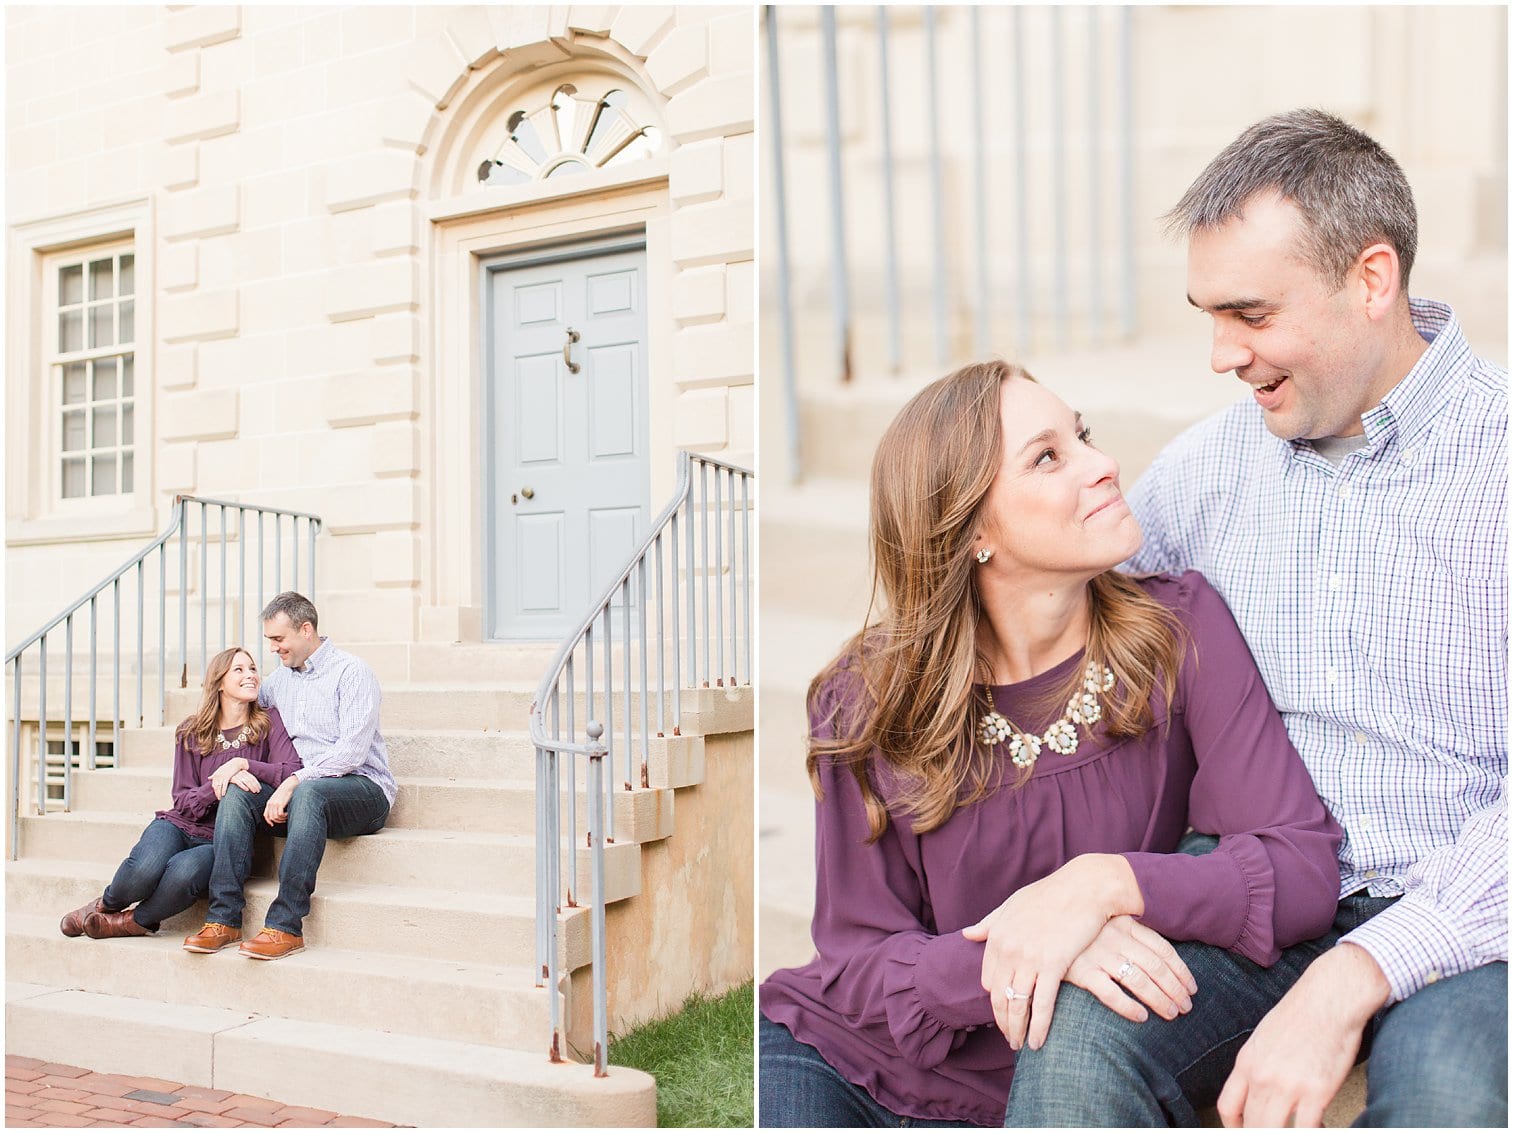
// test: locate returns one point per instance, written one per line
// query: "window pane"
(71, 285)
(128, 425)
(73, 479)
(70, 331)
(104, 480)
(100, 282)
(105, 380)
(101, 330)
(74, 385)
(105, 427)
(128, 321)
(128, 374)
(128, 274)
(73, 431)
(127, 472)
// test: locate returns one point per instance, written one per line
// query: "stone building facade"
(245, 261)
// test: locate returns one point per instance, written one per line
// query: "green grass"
(702, 1059)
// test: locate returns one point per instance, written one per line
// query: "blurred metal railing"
(1037, 143)
(269, 559)
(667, 641)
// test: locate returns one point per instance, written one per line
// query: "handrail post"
(595, 836)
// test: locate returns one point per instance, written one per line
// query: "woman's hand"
(224, 775)
(247, 781)
(1127, 960)
(1036, 934)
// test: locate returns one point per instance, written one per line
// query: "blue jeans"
(1439, 1058)
(801, 1090)
(319, 809)
(167, 871)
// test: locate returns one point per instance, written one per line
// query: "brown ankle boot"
(103, 926)
(73, 923)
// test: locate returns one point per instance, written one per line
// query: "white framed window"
(91, 367)
(79, 398)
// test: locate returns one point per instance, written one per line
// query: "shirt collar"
(1411, 407)
(1414, 404)
(317, 659)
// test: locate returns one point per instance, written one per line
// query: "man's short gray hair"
(1350, 191)
(296, 607)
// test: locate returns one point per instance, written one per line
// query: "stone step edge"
(424, 1082)
(342, 960)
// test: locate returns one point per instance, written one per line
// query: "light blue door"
(569, 491)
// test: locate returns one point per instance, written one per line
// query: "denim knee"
(239, 807)
(1440, 1057)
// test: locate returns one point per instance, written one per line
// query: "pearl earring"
(984, 555)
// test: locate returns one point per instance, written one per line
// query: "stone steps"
(502, 864)
(470, 926)
(491, 806)
(494, 1004)
(428, 1082)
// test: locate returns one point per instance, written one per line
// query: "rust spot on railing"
(645, 775)
(677, 731)
(599, 1071)
(556, 1052)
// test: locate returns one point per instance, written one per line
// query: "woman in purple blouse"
(1006, 762)
(230, 742)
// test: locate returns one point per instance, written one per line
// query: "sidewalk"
(40, 1094)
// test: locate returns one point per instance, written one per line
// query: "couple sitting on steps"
(302, 752)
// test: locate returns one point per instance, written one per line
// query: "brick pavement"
(39, 1094)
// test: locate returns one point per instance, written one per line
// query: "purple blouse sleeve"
(879, 960)
(1273, 881)
(193, 796)
(280, 760)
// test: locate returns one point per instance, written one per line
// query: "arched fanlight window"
(567, 136)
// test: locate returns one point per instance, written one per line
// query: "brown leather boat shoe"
(272, 944)
(212, 938)
(103, 926)
(73, 923)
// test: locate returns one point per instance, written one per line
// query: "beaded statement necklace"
(1061, 737)
(233, 744)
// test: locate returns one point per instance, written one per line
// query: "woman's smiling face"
(1055, 507)
(241, 680)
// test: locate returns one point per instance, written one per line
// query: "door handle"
(527, 493)
(572, 367)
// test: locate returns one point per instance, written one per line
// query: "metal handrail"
(179, 524)
(691, 506)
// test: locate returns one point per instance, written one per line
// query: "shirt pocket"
(1437, 643)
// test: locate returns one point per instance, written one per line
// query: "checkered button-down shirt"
(1374, 596)
(330, 708)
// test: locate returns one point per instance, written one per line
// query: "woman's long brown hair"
(203, 729)
(918, 665)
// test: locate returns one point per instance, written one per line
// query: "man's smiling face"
(293, 645)
(1299, 342)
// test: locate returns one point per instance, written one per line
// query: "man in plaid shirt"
(1353, 513)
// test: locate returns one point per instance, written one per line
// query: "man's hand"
(223, 775)
(1298, 1057)
(277, 809)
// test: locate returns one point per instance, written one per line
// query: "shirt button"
(1410, 455)
(1334, 582)
(1365, 825)
(1331, 674)
(1370, 873)
(1360, 738)
(1342, 491)
(1432, 977)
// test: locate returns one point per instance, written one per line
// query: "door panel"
(569, 486)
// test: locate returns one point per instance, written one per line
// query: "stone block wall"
(280, 160)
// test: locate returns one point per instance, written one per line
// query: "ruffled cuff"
(1414, 944)
(933, 995)
(1226, 898)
